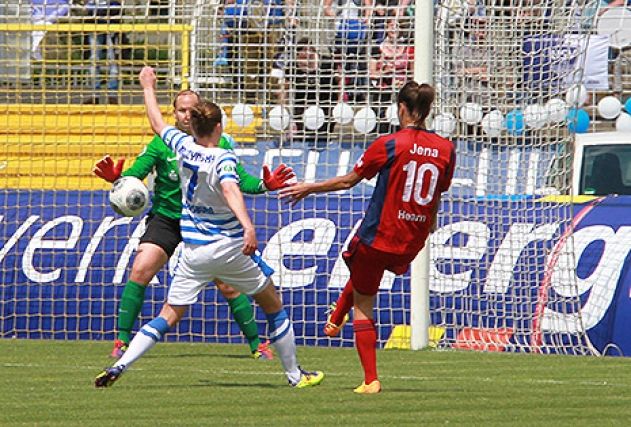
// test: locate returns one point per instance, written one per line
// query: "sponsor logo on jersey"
(408, 216)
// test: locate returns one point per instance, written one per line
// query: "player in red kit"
(415, 166)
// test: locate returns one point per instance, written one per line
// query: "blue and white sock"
(281, 335)
(144, 340)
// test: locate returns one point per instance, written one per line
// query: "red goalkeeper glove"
(107, 170)
(279, 178)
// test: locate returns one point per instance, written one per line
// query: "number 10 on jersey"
(415, 178)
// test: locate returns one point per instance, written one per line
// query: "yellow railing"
(55, 146)
(183, 29)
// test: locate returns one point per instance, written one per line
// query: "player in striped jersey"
(219, 239)
(415, 167)
(162, 233)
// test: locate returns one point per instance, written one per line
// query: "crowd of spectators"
(368, 49)
(103, 49)
(267, 44)
(251, 31)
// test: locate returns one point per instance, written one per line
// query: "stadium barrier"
(65, 261)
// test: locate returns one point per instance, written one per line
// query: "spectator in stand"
(382, 11)
(46, 12)
(104, 47)
(390, 68)
(351, 18)
(233, 13)
(478, 54)
(378, 21)
(600, 6)
(250, 33)
(605, 5)
(473, 49)
(314, 84)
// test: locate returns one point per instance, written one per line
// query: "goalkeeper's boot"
(108, 376)
(120, 347)
(308, 379)
(331, 329)
(263, 352)
(372, 388)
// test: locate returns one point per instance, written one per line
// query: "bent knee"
(226, 290)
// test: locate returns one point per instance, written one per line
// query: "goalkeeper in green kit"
(162, 234)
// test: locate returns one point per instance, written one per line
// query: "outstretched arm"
(148, 82)
(147, 160)
(300, 191)
(278, 178)
(272, 180)
(250, 184)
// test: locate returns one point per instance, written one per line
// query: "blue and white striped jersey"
(206, 216)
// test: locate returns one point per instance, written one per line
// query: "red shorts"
(367, 265)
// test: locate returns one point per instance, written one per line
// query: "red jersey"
(414, 167)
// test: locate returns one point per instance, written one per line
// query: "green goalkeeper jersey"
(167, 195)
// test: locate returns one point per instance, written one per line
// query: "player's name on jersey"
(195, 155)
(408, 216)
(424, 151)
(197, 209)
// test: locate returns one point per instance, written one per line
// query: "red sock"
(344, 304)
(366, 342)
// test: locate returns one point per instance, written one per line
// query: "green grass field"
(51, 383)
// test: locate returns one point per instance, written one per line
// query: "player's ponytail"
(204, 118)
(418, 99)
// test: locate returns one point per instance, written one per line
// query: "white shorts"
(223, 260)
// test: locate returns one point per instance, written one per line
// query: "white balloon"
(444, 124)
(556, 109)
(343, 113)
(609, 107)
(471, 113)
(313, 117)
(392, 114)
(242, 115)
(623, 123)
(535, 116)
(576, 95)
(365, 120)
(279, 118)
(493, 123)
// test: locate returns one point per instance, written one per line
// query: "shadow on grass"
(208, 383)
(197, 356)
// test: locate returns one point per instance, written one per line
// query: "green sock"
(243, 314)
(129, 308)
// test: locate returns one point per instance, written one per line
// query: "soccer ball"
(129, 196)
